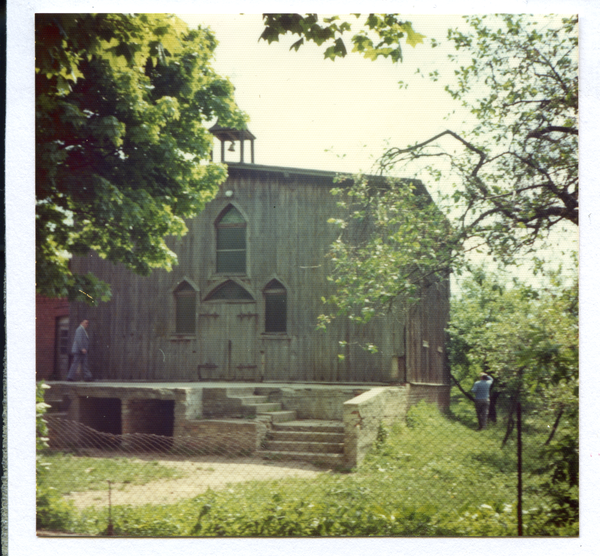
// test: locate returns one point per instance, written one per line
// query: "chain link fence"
(430, 474)
(138, 469)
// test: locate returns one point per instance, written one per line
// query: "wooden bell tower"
(233, 136)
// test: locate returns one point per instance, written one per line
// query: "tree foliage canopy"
(393, 242)
(517, 167)
(122, 147)
(525, 337)
(528, 340)
(378, 34)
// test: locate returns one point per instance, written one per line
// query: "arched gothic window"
(275, 307)
(185, 309)
(231, 242)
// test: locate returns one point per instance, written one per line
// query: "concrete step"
(279, 417)
(333, 460)
(312, 447)
(239, 392)
(260, 408)
(311, 425)
(305, 436)
(266, 407)
(252, 400)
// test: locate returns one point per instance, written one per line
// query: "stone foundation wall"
(143, 409)
(227, 436)
(312, 403)
(438, 394)
(184, 412)
(216, 403)
(363, 416)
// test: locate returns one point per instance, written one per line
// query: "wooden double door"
(228, 338)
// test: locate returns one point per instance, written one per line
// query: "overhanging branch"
(536, 134)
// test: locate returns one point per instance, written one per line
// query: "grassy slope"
(434, 476)
(69, 473)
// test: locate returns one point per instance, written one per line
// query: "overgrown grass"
(433, 476)
(71, 473)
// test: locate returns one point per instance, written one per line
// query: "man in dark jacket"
(80, 353)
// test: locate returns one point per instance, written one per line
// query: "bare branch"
(536, 134)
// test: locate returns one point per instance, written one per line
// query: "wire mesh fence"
(431, 474)
(152, 469)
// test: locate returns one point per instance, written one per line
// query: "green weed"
(70, 473)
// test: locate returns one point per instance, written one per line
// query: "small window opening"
(231, 242)
(275, 307)
(185, 309)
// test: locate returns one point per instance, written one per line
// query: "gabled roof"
(324, 177)
(230, 134)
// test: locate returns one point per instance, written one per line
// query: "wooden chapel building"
(243, 302)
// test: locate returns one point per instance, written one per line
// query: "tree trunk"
(510, 425)
(492, 415)
(461, 388)
(555, 426)
(514, 400)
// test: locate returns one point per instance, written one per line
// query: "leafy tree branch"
(378, 35)
(376, 267)
(123, 104)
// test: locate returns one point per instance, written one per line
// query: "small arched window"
(275, 307)
(185, 309)
(231, 242)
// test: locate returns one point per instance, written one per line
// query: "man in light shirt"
(482, 399)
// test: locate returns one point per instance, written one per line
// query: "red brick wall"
(47, 311)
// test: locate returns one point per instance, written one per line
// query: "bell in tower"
(233, 136)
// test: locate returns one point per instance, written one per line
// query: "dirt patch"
(202, 473)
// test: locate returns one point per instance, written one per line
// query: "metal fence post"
(109, 528)
(519, 473)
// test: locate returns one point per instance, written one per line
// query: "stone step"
(333, 460)
(252, 400)
(312, 447)
(266, 407)
(279, 417)
(260, 408)
(305, 436)
(311, 425)
(239, 392)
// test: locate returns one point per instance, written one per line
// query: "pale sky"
(308, 112)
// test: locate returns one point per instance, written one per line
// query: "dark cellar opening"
(101, 414)
(152, 416)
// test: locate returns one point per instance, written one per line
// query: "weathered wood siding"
(134, 338)
(426, 351)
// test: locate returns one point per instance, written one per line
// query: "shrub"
(282, 515)
(382, 436)
(52, 512)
